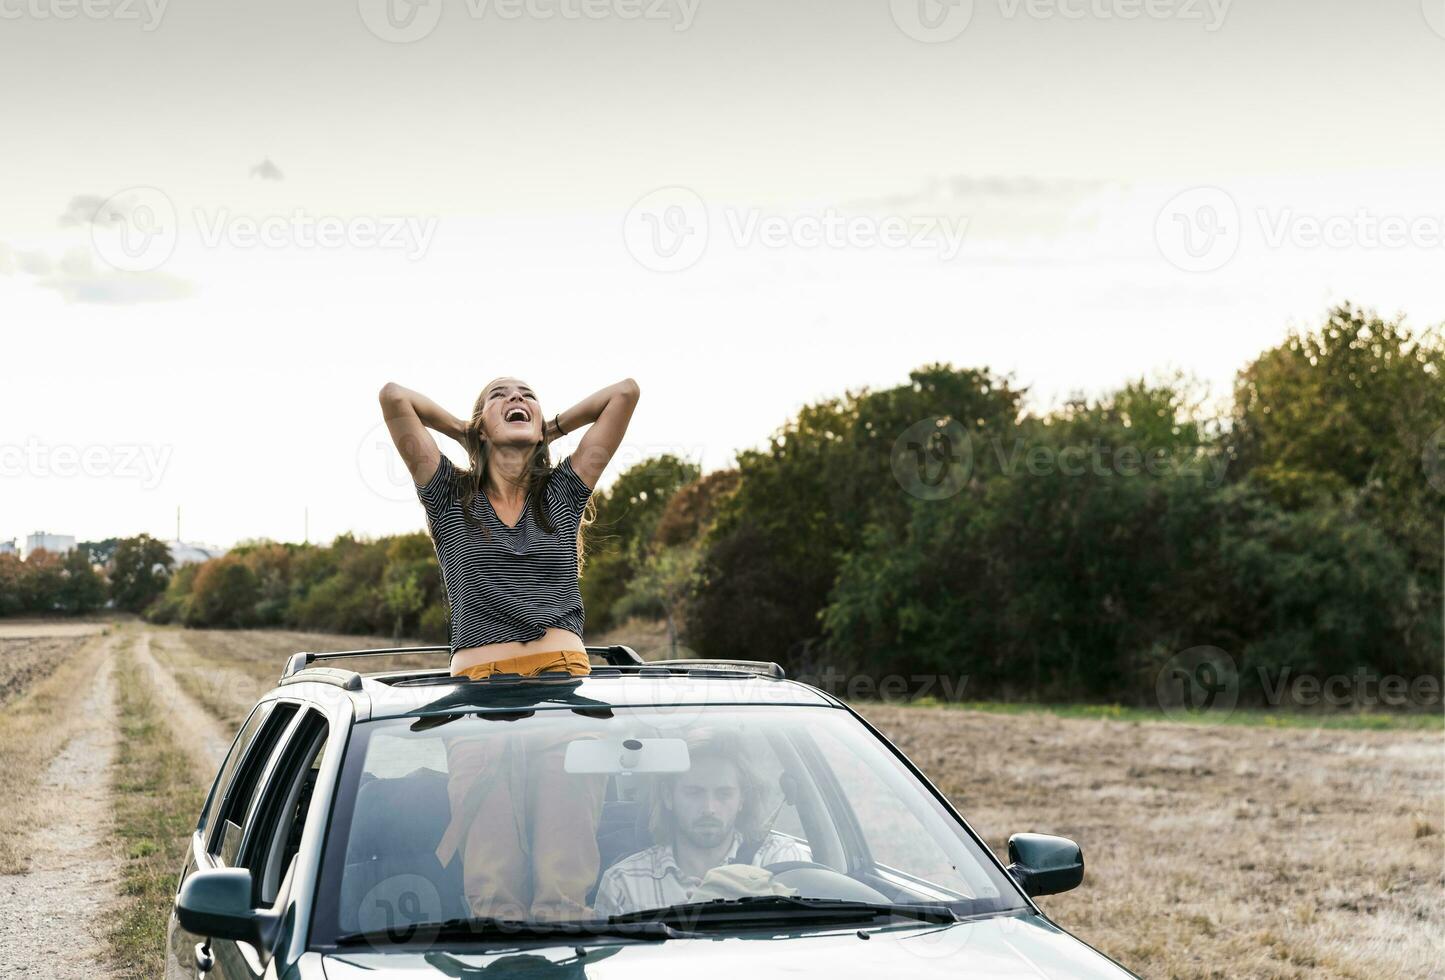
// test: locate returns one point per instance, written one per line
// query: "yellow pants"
(526, 828)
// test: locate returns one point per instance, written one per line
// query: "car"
(315, 854)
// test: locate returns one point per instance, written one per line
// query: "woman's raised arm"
(608, 412)
(408, 415)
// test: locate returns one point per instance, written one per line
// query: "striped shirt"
(651, 879)
(520, 582)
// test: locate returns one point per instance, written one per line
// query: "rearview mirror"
(216, 903)
(626, 755)
(1045, 865)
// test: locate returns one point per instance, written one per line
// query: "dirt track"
(53, 914)
(206, 738)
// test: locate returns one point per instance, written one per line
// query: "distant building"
(8, 547)
(190, 552)
(57, 544)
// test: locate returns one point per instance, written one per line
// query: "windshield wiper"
(482, 929)
(770, 909)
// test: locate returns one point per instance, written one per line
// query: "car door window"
(283, 802)
(225, 836)
(239, 745)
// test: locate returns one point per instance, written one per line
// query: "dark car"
(316, 852)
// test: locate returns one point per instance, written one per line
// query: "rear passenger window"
(228, 768)
(225, 837)
(276, 825)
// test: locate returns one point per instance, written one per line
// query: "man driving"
(704, 818)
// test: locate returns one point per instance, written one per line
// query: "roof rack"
(616, 655)
(735, 669)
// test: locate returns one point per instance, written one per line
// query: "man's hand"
(738, 881)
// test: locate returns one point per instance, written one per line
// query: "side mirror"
(1044, 865)
(216, 903)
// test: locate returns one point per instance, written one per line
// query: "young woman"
(508, 536)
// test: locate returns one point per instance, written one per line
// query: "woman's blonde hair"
(468, 483)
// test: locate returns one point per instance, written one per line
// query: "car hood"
(1007, 946)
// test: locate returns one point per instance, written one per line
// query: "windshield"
(616, 814)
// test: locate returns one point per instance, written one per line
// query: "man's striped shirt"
(520, 582)
(652, 879)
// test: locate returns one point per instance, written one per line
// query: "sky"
(223, 227)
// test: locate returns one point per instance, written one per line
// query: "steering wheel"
(820, 881)
(782, 866)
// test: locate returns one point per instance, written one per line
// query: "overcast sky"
(224, 226)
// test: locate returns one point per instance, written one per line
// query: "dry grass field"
(1213, 851)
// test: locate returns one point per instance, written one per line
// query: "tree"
(140, 569)
(1351, 406)
(41, 581)
(802, 505)
(660, 587)
(224, 594)
(627, 515)
(12, 572)
(83, 588)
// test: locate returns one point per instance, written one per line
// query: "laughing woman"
(508, 536)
